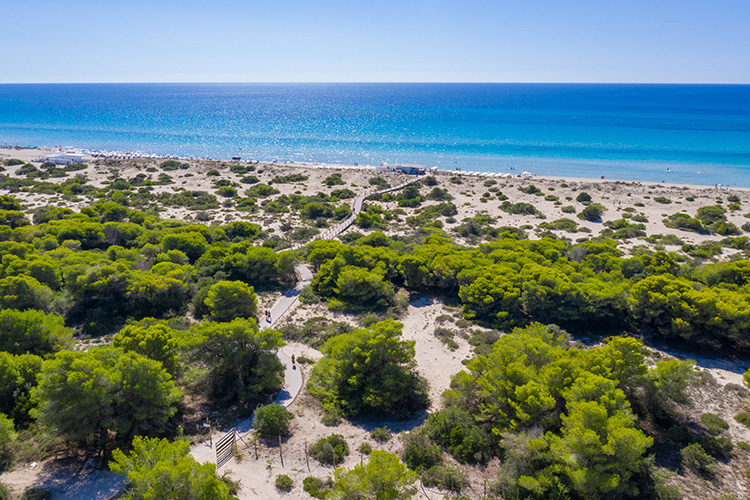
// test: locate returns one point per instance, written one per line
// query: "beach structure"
(411, 169)
(60, 158)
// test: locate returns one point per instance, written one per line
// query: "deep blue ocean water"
(697, 134)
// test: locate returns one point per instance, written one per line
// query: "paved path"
(346, 223)
(293, 379)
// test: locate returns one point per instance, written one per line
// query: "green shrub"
(714, 423)
(445, 477)
(261, 191)
(592, 213)
(564, 224)
(226, 192)
(249, 179)
(213, 173)
(379, 182)
(239, 169)
(288, 179)
(365, 448)
(272, 420)
(694, 457)
(519, 208)
(711, 214)
(173, 165)
(4, 492)
(583, 197)
(718, 447)
(419, 451)
(381, 434)
(316, 487)
(743, 418)
(284, 482)
(568, 209)
(743, 445)
(343, 194)
(531, 189)
(663, 200)
(11, 162)
(331, 418)
(333, 180)
(455, 430)
(685, 223)
(308, 296)
(27, 169)
(330, 450)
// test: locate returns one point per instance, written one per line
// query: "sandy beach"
(473, 193)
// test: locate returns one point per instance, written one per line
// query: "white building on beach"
(60, 158)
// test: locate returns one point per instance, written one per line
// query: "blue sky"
(686, 41)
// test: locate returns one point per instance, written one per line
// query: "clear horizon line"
(373, 82)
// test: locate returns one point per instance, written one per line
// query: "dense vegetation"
(587, 287)
(369, 371)
(109, 269)
(564, 421)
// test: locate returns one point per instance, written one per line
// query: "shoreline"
(121, 155)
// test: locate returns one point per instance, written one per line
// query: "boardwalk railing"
(346, 223)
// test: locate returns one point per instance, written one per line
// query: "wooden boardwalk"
(342, 226)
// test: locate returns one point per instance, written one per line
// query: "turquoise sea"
(698, 134)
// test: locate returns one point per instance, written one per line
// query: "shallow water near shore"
(693, 134)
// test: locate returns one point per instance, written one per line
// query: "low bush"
(316, 487)
(381, 434)
(446, 478)
(249, 179)
(284, 482)
(718, 447)
(240, 169)
(455, 430)
(288, 179)
(564, 224)
(743, 418)
(365, 448)
(592, 213)
(333, 180)
(173, 165)
(272, 420)
(343, 194)
(419, 451)
(714, 424)
(379, 182)
(531, 189)
(330, 450)
(519, 208)
(663, 200)
(694, 457)
(226, 192)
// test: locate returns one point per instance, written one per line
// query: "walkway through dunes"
(293, 378)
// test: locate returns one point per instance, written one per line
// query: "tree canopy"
(369, 370)
(156, 468)
(83, 396)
